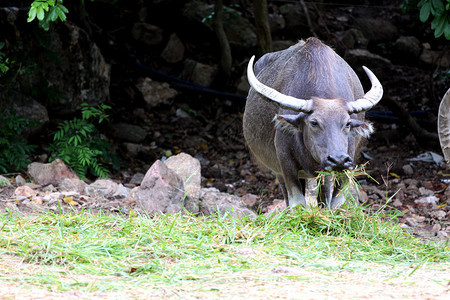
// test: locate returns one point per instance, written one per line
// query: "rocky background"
(156, 64)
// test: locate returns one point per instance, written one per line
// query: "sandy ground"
(21, 280)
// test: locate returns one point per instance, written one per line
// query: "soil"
(318, 280)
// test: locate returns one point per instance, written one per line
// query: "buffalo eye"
(314, 123)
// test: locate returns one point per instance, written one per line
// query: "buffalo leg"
(311, 192)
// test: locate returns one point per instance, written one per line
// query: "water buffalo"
(305, 113)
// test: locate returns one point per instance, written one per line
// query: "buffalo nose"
(338, 161)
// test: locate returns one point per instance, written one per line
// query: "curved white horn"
(276, 97)
(371, 98)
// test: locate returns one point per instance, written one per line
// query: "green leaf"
(61, 14)
(422, 2)
(31, 14)
(425, 12)
(440, 26)
(437, 7)
(447, 31)
(52, 15)
(40, 13)
(63, 8)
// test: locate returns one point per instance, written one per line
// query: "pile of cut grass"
(168, 248)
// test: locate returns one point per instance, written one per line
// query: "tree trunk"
(262, 26)
(225, 51)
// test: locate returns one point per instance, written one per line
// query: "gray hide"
(319, 127)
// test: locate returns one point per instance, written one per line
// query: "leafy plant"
(440, 9)
(78, 143)
(14, 149)
(47, 11)
(5, 62)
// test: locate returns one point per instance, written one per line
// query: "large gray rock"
(128, 132)
(199, 73)
(174, 50)
(213, 201)
(51, 173)
(66, 67)
(155, 92)
(377, 29)
(189, 170)
(72, 184)
(161, 191)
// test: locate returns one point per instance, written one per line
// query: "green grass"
(174, 248)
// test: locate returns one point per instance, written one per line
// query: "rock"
(411, 222)
(425, 192)
(408, 47)
(121, 192)
(213, 201)
(128, 132)
(436, 227)
(25, 191)
(188, 169)
(102, 187)
(249, 200)
(20, 180)
(354, 38)
(377, 29)
(72, 184)
(182, 114)
(50, 173)
(277, 206)
(4, 181)
(428, 200)
(78, 74)
(442, 234)
(137, 178)
(408, 170)
(436, 57)
(397, 203)
(154, 92)
(360, 57)
(146, 33)
(438, 214)
(198, 73)
(174, 50)
(161, 190)
(30, 109)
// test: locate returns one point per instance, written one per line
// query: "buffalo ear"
(364, 129)
(355, 123)
(290, 123)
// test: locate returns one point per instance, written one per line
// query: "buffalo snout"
(338, 161)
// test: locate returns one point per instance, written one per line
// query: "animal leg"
(295, 196)
(311, 192)
(327, 190)
(294, 190)
(338, 197)
(283, 189)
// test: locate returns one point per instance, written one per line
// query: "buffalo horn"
(277, 98)
(371, 98)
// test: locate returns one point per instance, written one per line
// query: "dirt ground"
(352, 281)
